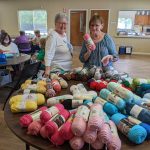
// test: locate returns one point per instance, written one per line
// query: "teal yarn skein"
(135, 133)
(108, 107)
(109, 96)
(120, 91)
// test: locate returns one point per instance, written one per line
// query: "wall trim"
(140, 53)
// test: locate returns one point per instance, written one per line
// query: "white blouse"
(11, 48)
(57, 51)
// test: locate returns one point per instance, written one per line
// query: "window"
(33, 20)
(125, 23)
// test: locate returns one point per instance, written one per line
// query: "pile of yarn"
(26, 102)
(97, 85)
(32, 86)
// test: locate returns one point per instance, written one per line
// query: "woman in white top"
(7, 46)
(58, 51)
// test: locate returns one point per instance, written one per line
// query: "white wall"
(9, 19)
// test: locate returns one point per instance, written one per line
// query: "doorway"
(105, 15)
(77, 26)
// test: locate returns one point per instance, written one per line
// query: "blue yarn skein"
(144, 125)
(145, 92)
(108, 108)
(119, 102)
(137, 134)
(138, 112)
(121, 91)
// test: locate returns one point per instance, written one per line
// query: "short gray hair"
(60, 16)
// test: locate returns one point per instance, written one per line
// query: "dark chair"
(29, 71)
(24, 48)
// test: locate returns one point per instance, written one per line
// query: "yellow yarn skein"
(23, 106)
(38, 98)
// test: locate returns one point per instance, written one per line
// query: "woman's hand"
(105, 60)
(47, 72)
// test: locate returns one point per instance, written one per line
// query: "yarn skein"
(108, 107)
(79, 123)
(97, 144)
(96, 117)
(55, 100)
(115, 142)
(65, 130)
(76, 143)
(136, 133)
(121, 91)
(25, 120)
(47, 114)
(109, 96)
(34, 127)
(90, 136)
(138, 112)
(55, 122)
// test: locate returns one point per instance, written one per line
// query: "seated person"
(6, 46)
(40, 54)
(105, 52)
(58, 51)
(1, 32)
(36, 41)
(22, 39)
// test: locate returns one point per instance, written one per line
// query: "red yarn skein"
(25, 120)
(46, 115)
(55, 122)
(56, 85)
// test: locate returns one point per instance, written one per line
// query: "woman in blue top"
(105, 52)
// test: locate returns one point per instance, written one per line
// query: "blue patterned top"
(105, 47)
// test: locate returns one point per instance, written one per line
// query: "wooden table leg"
(27, 147)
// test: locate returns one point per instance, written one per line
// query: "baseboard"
(140, 53)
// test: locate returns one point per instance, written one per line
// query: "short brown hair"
(96, 18)
(43, 43)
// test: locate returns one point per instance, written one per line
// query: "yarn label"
(32, 87)
(52, 110)
(36, 114)
(59, 120)
(113, 98)
(96, 112)
(122, 92)
(134, 120)
(22, 106)
(100, 101)
(125, 125)
(29, 97)
(83, 111)
(136, 110)
(76, 103)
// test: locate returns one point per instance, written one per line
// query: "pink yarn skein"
(57, 139)
(115, 143)
(25, 120)
(47, 115)
(105, 133)
(76, 143)
(96, 118)
(56, 85)
(97, 144)
(34, 128)
(65, 130)
(58, 120)
(43, 132)
(90, 136)
(79, 123)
